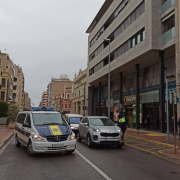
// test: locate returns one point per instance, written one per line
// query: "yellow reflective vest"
(122, 120)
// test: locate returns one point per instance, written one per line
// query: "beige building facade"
(142, 39)
(55, 88)
(7, 78)
(80, 93)
(26, 101)
(44, 99)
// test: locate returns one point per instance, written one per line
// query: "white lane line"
(94, 166)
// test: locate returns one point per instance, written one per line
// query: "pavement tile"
(5, 134)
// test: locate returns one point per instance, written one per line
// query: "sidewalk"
(157, 138)
(5, 135)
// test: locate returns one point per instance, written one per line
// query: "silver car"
(100, 130)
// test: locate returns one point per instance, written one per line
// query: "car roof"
(96, 117)
(73, 115)
(38, 112)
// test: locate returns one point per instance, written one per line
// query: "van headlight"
(119, 130)
(71, 137)
(72, 127)
(39, 138)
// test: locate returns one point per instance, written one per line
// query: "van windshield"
(48, 119)
(75, 120)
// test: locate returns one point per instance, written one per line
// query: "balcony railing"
(168, 35)
(167, 5)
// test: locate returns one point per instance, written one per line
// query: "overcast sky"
(46, 38)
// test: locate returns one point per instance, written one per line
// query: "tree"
(3, 109)
(12, 112)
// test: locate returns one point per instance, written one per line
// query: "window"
(65, 105)
(15, 79)
(2, 96)
(133, 42)
(68, 96)
(3, 82)
(138, 38)
(21, 118)
(168, 24)
(28, 120)
(69, 105)
(14, 87)
(14, 95)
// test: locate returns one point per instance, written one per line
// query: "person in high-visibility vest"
(122, 124)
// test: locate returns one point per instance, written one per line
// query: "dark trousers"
(148, 124)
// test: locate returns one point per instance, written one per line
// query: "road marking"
(94, 166)
(156, 148)
(141, 149)
(154, 134)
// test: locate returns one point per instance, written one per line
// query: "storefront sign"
(149, 97)
(131, 99)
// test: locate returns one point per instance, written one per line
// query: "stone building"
(141, 37)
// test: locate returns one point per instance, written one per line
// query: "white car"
(74, 120)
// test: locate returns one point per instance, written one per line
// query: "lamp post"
(109, 78)
(170, 77)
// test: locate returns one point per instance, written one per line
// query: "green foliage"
(3, 109)
(12, 112)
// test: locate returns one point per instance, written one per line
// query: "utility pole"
(173, 94)
(84, 98)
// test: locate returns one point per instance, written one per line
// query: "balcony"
(167, 5)
(168, 35)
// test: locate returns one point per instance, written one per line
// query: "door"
(27, 130)
(81, 128)
(86, 128)
(19, 127)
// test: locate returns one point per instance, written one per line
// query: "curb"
(6, 140)
(171, 158)
(151, 141)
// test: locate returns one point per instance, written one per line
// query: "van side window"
(27, 120)
(23, 118)
(19, 118)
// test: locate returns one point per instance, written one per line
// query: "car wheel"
(70, 152)
(119, 146)
(89, 143)
(30, 149)
(17, 143)
(78, 137)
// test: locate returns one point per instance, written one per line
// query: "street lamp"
(109, 76)
(169, 77)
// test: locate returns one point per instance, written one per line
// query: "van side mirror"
(27, 125)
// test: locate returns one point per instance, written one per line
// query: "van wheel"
(17, 143)
(30, 149)
(78, 137)
(89, 143)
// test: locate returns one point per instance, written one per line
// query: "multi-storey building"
(16, 85)
(80, 93)
(55, 89)
(0, 72)
(141, 38)
(44, 99)
(7, 75)
(26, 101)
(21, 87)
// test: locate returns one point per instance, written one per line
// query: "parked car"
(100, 130)
(74, 120)
(43, 131)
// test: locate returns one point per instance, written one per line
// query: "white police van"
(42, 131)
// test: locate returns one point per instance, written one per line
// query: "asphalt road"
(126, 164)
